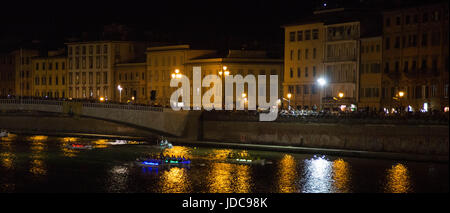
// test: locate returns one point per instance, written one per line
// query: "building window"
(398, 20)
(314, 53)
(292, 36)
(307, 35)
(105, 62)
(299, 72)
(105, 77)
(299, 53)
(405, 68)
(425, 18)
(314, 71)
(306, 54)
(292, 54)
(388, 22)
(306, 72)
(300, 35)
(397, 42)
(388, 43)
(424, 39)
(315, 34)
(291, 73)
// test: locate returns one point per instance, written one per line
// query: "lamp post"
(120, 93)
(289, 95)
(400, 95)
(222, 73)
(322, 82)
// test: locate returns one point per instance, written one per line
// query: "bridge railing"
(30, 101)
(125, 106)
(85, 104)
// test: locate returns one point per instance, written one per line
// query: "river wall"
(412, 139)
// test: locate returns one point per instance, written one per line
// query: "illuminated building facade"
(50, 75)
(91, 67)
(162, 61)
(132, 78)
(303, 64)
(23, 71)
(415, 58)
(370, 73)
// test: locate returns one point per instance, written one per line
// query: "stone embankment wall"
(414, 139)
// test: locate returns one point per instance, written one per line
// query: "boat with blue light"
(164, 161)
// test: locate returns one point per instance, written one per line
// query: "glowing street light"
(401, 94)
(120, 93)
(102, 99)
(341, 95)
(177, 74)
(289, 95)
(322, 82)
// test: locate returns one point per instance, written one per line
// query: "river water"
(38, 163)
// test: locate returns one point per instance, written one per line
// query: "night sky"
(215, 24)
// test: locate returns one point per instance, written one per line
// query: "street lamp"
(322, 82)
(341, 95)
(222, 73)
(120, 93)
(177, 74)
(289, 95)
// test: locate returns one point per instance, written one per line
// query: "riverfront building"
(7, 76)
(415, 58)
(91, 67)
(326, 46)
(23, 68)
(370, 73)
(50, 75)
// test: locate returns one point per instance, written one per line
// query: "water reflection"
(341, 176)
(100, 143)
(398, 179)
(287, 174)
(181, 151)
(7, 158)
(226, 177)
(118, 179)
(38, 147)
(174, 180)
(68, 152)
(317, 175)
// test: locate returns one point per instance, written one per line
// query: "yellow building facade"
(132, 79)
(161, 63)
(303, 64)
(50, 75)
(370, 73)
(239, 62)
(23, 71)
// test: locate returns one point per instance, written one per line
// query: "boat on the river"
(118, 142)
(163, 161)
(79, 146)
(164, 144)
(4, 133)
(245, 159)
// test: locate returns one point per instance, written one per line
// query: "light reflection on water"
(38, 155)
(290, 173)
(398, 179)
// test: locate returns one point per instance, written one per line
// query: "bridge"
(144, 118)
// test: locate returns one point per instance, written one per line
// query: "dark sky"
(213, 22)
